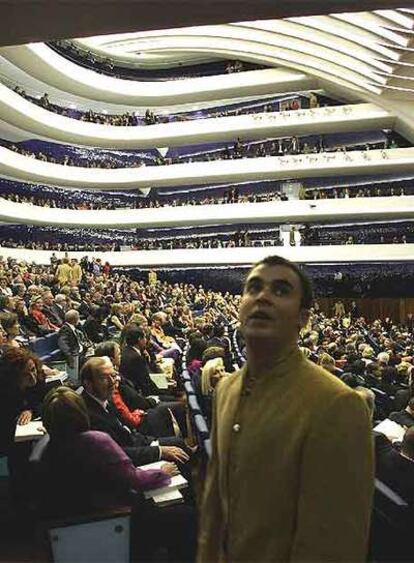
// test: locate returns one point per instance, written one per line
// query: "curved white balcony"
(21, 113)
(354, 209)
(20, 167)
(230, 256)
(41, 62)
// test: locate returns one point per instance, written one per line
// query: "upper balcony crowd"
(97, 158)
(58, 198)
(149, 117)
(106, 65)
(232, 236)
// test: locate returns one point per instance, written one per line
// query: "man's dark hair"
(305, 283)
(106, 348)
(351, 380)
(132, 334)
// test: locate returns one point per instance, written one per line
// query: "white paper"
(391, 429)
(160, 380)
(34, 430)
(169, 497)
(61, 376)
(177, 482)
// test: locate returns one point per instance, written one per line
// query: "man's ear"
(304, 315)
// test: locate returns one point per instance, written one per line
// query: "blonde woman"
(327, 362)
(211, 374)
(116, 315)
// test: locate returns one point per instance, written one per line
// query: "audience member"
(106, 479)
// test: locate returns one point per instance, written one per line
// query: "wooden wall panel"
(396, 309)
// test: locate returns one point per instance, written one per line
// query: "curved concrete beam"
(354, 209)
(16, 166)
(21, 113)
(231, 256)
(41, 62)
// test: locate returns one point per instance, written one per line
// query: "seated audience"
(170, 348)
(404, 417)
(98, 376)
(211, 373)
(135, 362)
(93, 326)
(195, 353)
(22, 389)
(396, 468)
(70, 344)
(11, 328)
(40, 322)
(106, 479)
(53, 312)
(155, 420)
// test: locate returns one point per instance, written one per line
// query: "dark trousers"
(173, 528)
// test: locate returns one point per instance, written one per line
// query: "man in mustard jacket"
(291, 475)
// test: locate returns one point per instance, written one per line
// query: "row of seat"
(46, 347)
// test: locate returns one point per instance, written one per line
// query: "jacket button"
(236, 428)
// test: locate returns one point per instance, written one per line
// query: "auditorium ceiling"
(355, 56)
(40, 20)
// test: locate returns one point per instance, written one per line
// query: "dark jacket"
(403, 418)
(94, 330)
(12, 402)
(133, 443)
(55, 314)
(132, 398)
(135, 368)
(394, 470)
(69, 341)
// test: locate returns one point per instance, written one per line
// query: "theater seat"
(4, 470)
(103, 537)
(193, 405)
(189, 389)
(201, 428)
(185, 376)
(391, 524)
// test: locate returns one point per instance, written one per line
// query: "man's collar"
(279, 368)
(104, 404)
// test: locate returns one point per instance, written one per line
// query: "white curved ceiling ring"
(355, 209)
(226, 256)
(41, 62)
(13, 165)
(19, 112)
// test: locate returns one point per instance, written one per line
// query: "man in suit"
(49, 309)
(134, 365)
(59, 307)
(98, 378)
(70, 345)
(404, 417)
(291, 474)
(394, 468)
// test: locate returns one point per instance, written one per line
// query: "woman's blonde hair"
(327, 362)
(207, 372)
(64, 413)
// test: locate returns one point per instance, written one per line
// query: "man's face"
(270, 307)
(103, 382)
(29, 376)
(142, 343)
(48, 299)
